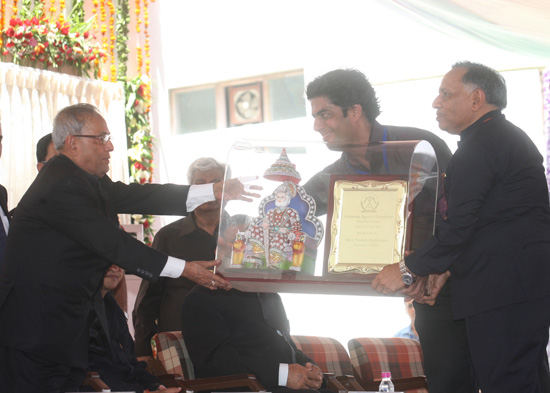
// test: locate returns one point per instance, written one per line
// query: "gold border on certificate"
(368, 225)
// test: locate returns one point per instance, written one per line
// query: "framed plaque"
(366, 228)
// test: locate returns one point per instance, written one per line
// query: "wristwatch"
(406, 275)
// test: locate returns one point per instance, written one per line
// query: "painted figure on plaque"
(286, 234)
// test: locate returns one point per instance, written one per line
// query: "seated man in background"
(158, 305)
(44, 151)
(111, 350)
(238, 332)
(410, 330)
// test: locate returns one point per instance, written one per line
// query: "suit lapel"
(4, 201)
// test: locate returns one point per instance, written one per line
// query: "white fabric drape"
(30, 99)
(516, 26)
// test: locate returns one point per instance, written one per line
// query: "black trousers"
(24, 372)
(508, 347)
(444, 342)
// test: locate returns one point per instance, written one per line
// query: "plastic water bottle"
(386, 385)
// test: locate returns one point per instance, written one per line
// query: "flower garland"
(2, 20)
(138, 106)
(35, 39)
(112, 40)
(146, 32)
(138, 30)
(140, 140)
(122, 22)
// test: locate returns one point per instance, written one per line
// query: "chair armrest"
(350, 383)
(224, 382)
(93, 380)
(155, 367)
(333, 384)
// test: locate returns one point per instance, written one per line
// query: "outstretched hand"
(234, 189)
(199, 272)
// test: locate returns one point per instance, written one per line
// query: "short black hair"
(42, 147)
(345, 88)
(487, 79)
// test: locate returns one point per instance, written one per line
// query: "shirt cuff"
(283, 374)
(199, 194)
(173, 268)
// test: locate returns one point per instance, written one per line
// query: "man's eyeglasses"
(103, 138)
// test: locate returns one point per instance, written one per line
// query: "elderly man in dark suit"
(496, 236)
(64, 236)
(234, 332)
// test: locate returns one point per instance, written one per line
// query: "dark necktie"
(3, 238)
(271, 305)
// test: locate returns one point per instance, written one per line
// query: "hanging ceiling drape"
(29, 101)
(517, 26)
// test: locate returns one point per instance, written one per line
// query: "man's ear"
(69, 147)
(477, 98)
(355, 112)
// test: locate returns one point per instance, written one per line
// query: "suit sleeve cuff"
(173, 268)
(199, 194)
(283, 374)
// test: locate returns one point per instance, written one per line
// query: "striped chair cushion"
(372, 356)
(328, 353)
(171, 351)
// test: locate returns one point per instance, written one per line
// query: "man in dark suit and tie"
(64, 236)
(4, 214)
(234, 332)
(495, 239)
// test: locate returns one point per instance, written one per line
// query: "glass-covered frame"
(330, 217)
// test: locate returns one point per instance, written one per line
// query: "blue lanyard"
(384, 155)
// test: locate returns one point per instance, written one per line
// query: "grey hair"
(480, 76)
(205, 164)
(71, 120)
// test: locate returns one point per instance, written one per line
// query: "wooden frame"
(403, 215)
(244, 104)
